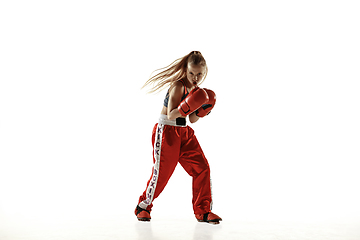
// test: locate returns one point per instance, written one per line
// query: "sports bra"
(186, 92)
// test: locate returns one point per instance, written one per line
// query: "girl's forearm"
(173, 114)
(193, 117)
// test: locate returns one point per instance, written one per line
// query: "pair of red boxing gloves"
(201, 100)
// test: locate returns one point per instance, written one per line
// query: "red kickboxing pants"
(172, 145)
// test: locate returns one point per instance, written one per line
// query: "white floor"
(127, 228)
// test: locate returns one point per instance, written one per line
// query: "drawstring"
(177, 132)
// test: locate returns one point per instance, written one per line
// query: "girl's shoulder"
(178, 85)
(180, 82)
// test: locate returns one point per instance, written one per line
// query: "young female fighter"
(174, 142)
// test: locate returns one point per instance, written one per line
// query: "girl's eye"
(191, 73)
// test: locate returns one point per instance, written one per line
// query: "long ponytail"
(175, 71)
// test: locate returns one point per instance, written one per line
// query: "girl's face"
(195, 73)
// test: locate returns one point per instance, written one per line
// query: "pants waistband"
(179, 122)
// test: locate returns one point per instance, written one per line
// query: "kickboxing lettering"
(157, 144)
(152, 185)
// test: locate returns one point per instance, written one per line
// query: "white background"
(75, 127)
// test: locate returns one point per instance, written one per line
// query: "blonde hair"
(175, 71)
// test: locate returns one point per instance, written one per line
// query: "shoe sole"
(211, 222)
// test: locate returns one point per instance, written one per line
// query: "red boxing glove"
(193, 101)
(206, 108)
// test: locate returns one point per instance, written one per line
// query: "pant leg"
(166, 142)
(193, 160)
